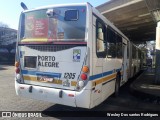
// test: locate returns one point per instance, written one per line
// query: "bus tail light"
(71, 95)
(18, 76)
(83, 76)
(85, 69)
(16, 64)
(17, 70)
(80, 84)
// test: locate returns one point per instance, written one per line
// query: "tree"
(4, 25)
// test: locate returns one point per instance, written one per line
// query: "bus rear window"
(63, 23)
(30, 61)
(71, 15)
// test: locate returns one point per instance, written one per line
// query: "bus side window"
(119, 47)
(139, 54)
(100, 39)
(111, 43)
(134, 52)
(22, 26)
(128, 50)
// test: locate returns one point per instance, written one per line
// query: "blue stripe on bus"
(107, 73)
(103, 74)
(50, 74)
(100, 75)
(58, 75)
(96, 76)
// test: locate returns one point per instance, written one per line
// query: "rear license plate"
(44, 79)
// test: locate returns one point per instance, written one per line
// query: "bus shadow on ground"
(119, 103)
(66, 112)
(110, 104)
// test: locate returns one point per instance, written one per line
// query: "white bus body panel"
(65, 60)
(77, 99)
(46, 94)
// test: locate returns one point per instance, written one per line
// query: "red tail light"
(83, 76)
(70, 95)
(17, 70)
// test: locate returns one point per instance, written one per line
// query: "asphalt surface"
(9, 101)
(145, 86)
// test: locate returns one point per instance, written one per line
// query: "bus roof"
(58, 5)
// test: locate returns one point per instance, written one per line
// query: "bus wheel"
(117, 85)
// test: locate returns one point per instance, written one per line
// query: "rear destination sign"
(47, 61)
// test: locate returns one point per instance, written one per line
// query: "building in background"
(151, 53)
(7, 36)
(8, 39)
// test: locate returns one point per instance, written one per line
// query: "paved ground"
(145, 86)
(9, 101)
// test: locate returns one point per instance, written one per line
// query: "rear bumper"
(57, 96)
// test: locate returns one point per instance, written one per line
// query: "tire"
(117, 85)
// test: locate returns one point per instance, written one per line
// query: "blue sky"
(10, 10)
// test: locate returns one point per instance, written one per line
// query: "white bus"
(70, 55)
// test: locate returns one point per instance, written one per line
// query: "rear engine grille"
(50, 48)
